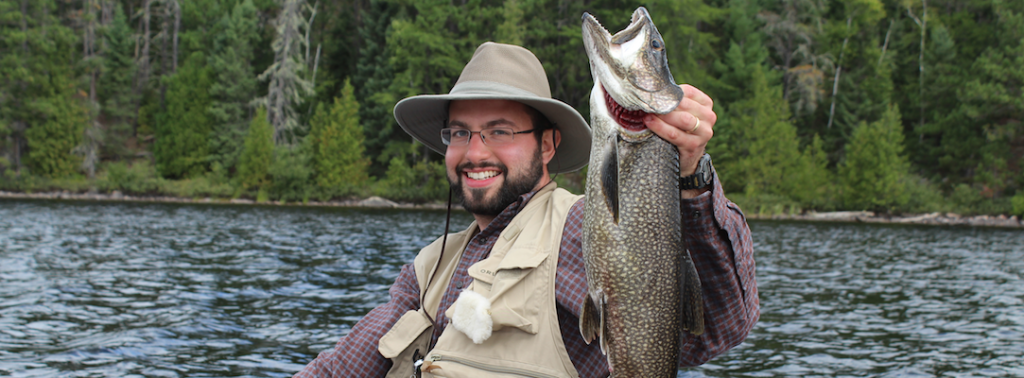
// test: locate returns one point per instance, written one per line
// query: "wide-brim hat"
(502, 72)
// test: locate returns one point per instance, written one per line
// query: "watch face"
(705, 168)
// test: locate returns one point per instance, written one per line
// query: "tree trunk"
(18, 126)
(165, 56)
(839, 69)
(142, 61)
(177, 26)
(886, 44)
(923, 24)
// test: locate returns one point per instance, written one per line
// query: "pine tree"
(181, 148)
(40, 102)
(336, 139)
(286, 76)
(115, 85)
(373, 79)
(860, 86)
(233, 82)
(257, 153)
(512, 30)
(992, 104)
(769, 159)
(290, 173)
(873, 177)
(51, 141)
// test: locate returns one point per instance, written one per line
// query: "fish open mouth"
(632, 120)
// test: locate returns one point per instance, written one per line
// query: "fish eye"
(656, 44)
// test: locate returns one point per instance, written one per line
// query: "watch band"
(699, 179)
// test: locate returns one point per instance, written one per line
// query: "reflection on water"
(95, 289)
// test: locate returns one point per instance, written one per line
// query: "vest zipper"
(491, 368)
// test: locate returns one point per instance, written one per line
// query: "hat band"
(490, 89)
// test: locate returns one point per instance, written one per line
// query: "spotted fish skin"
(644, 291)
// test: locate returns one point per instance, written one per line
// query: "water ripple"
(111, 289)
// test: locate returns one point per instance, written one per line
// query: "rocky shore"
(931, 218)
(378, 202)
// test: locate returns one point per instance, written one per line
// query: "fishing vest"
(518, 277)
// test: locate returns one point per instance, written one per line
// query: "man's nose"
(477, 150)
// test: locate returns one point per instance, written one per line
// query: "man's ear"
(549, 143)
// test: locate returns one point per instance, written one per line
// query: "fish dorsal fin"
(610, 181)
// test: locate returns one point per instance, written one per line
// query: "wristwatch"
(701, 178)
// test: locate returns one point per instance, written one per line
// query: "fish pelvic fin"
(591, 320)
(692, 297)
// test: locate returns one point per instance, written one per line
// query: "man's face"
(490, 177)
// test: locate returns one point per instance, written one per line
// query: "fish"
(643, 288)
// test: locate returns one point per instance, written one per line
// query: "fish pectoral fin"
(610, 181)
(591, 320)
(692, 298)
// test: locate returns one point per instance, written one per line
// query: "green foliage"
(288, 83)
(372, 81)
(1017, 202)
(51, 141)
(574, 182)
(233, 84)
(336, 140)
(421, 182)
(137, 178)
(766, 205)
(873, 177)
(12, 181)
(257, 153)
(923, 197)
(40, 106)
(181, 148)
(512, 30)
(291, 175)
(116, 92)
(764, 158)
(813, 186)
(794, 82)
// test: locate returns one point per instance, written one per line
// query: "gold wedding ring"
(695, 127)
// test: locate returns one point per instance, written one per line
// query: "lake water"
(158, 290)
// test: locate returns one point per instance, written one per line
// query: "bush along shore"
(935, 218)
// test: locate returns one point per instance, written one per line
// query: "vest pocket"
(403, 333)
(405, 343)
(506, 283)
(454, 366)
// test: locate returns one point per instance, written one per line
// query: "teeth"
(481, 175)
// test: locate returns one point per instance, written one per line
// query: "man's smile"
(481, 177)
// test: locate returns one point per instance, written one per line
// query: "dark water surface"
(116, 289)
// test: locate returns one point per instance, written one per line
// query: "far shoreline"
(369, 202)
(374, 202)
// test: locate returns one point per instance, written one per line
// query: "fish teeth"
(481, 175)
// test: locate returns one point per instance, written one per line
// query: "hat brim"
(424, 116)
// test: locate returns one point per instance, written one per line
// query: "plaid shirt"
(719, 241)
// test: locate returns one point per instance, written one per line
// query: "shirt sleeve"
(718, 239)
(356, 355)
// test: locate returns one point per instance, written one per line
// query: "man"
(502, 136)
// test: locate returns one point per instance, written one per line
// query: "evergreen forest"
(893, 106)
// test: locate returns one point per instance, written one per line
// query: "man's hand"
(677, 127)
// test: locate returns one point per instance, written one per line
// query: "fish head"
(631, 70)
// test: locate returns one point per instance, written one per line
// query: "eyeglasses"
(495, 136)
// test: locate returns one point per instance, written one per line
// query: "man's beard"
(509, 192)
